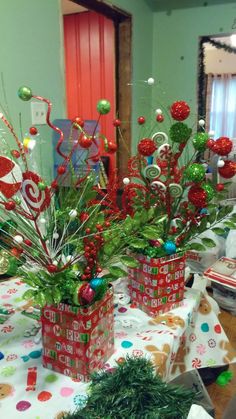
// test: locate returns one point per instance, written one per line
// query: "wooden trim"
(108, 10)
(124, 94)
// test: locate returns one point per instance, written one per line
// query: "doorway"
(98, 62)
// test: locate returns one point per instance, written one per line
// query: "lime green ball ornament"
(209, 190)
(200, 140)
(103, 106)
(25, 93)
(195, 172)
(42, 186)
(180, 132)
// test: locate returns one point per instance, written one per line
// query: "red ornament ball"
(10, 205)
(220, 187)
(197, 196)
(210, 143)
(228, 170)
(222, 146)
(16, 252)
(83, 216)
(52, 268)
(180, 110)
(28, 242)
(78, 121)
(116, 122)
(61, 170)
(15, 153)
(146, 147)
(141, 120)
(112, 147)
(85, 142)
(33, 131)
(160, 118)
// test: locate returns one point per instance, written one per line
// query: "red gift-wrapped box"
(77, 340)
(157, 285)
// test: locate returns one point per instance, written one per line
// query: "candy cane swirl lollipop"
(175, 189)
(152, 171)
(35, 198)
(160, 138)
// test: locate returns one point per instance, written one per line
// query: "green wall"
(30, 54)
(175, 44)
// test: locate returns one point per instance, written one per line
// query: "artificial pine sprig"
(134, 390)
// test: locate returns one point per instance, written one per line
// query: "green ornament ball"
(25, 93)
(195, 172)
(209, 190)
(103, 106)
(180, 132)
(200, 140)
(42, 186)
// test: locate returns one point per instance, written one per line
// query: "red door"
(90, 69)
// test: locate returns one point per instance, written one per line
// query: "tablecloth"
(187, 337)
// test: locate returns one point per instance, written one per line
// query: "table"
(188, 337)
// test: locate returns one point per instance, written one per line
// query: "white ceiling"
(68, 7)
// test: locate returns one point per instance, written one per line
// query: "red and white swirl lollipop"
(158, 186)
(10, 177)
(164, 152)
(35, 198)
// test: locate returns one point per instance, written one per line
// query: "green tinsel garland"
(134, 391)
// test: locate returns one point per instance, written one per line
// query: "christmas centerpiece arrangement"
(63, 238)
(168, 178)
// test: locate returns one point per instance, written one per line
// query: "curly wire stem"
(19, 144)
(58, 130)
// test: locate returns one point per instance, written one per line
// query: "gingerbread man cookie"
(5, 390)
(180, 356)
(231, 353)
(204, 306)
(160, 357)
(170, 320)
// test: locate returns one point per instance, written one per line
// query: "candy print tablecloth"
(188, 337)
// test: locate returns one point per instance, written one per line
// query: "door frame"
(123, 74)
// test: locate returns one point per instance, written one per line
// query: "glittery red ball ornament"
(15, 153)
(222, 146)
(79, 121)
(141, 120)
(52, 268)
(112, 147)
(197, 196)
(61, 170)
(146, 147)
(228, 170)
(10, 205)
(28, 242)
(180, 110)
(116, 122)
(85, 142)
(220, 187)
(160, 118)
(210, 143)
(33, 131)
